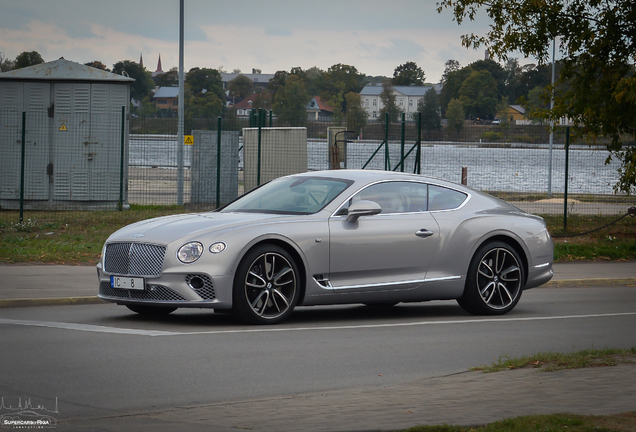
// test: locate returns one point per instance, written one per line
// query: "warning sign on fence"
(188, 139)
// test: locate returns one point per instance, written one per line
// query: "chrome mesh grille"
(152, 292)
(137, 259)
(206, 292)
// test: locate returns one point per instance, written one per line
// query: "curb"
(60, 301)
(577, 283)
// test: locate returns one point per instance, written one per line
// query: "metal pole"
(258, 156)
(565, 194)
(270, 118)
(418, 159)
(402, 141)
(551, 123)
(120, 205)
(387, 161)
(218, 163)
(22, 162)
(180, 126)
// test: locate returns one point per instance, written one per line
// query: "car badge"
(137, 235)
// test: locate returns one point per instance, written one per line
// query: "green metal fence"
(109, 161)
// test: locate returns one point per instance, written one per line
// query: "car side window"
(395, 197)
(441, 198)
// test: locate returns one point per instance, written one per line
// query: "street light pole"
(180, 125)
(551, 123)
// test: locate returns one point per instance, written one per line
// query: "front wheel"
(494, 281)
(266, 286)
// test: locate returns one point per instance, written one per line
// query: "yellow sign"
(188, 139)
(63, 127)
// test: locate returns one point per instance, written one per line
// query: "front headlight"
(190, 252)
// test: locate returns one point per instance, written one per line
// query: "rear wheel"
(494, 282)
(266, 286)
(151, 310)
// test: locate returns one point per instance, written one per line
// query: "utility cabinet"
(76, 135)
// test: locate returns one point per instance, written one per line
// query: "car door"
(392, 249)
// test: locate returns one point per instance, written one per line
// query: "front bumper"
(189, 290)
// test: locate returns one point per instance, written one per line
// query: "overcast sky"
(374, 36)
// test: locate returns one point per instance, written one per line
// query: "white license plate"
(125, 282)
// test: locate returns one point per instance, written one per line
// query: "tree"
(597, 50)
(240, 86)
(429, 108)
(143, 79)
(449, 67)
(205, 79)
(167, 79)
(408, 74)
(290, 102)
(97, 65)
(28, 58)
(455, 115)
(5, 64)
(356, 114)
(387, 97)
(452, 84)
(478, 94)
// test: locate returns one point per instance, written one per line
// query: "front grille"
(136, 259)
(206, 292)
(152, 292)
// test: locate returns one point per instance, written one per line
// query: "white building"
(406, 98)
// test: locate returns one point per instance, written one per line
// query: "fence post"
(387, 160)
(418, 157)
(22, 162)
(565, 192)
(402, 138)
(218, 163)
(270, 118)
(120, 203)
(258, 161)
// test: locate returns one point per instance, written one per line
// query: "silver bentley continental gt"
(331, 237)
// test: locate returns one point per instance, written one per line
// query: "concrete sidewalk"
(33, 285)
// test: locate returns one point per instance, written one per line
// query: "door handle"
(424, 233)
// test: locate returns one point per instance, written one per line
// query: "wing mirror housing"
(362, 208)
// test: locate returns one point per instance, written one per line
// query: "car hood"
(166, 229)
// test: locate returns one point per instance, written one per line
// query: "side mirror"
(362, 208)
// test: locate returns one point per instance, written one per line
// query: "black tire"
(151, 310)
(266, 286)
(494, 282)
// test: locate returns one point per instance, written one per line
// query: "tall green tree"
(408, 74)
(290, 102)
(455, 115)
(143, 79)
(168, 79)
(205, 79)
(356, 114)
(389, 104)
(428, 106)
(597, 48)
(478, 94)
(28, 58)
(240, 87)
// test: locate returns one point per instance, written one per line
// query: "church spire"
(159, 70)
(141, 59)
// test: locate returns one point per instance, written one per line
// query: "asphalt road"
(102, 360)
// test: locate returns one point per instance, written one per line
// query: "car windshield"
(290, 195)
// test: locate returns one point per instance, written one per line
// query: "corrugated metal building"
(73, 136)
